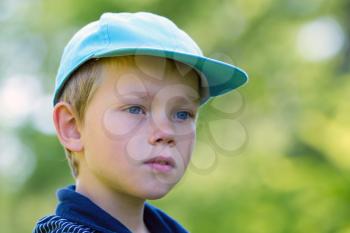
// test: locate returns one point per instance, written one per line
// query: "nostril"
(159, 140)
(170, 141)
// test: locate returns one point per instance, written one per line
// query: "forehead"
(146, 75)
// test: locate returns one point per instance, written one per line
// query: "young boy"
(126, 101)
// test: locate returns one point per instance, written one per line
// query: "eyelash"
(190, 114)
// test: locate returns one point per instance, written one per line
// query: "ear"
(67, 127)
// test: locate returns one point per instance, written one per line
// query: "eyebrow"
(144, 95)
(192, 102)
(140, 94)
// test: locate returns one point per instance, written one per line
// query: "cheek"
(118, 124)
(111, 163)
(122, 150)
(185, 146)
(137, 147)
(101, 146)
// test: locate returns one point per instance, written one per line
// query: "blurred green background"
(272, 157)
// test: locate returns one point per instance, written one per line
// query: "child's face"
(140, 111)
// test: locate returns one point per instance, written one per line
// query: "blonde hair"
(77, 92)
(80, 89)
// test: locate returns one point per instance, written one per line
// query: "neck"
(126, 209)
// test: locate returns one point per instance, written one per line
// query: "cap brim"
(221, 77)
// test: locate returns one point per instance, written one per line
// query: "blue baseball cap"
(143, 33)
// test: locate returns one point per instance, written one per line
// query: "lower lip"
(160, 167)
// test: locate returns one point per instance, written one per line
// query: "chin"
(156, 193)
(155, 196)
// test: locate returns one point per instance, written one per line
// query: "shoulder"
(57, 224)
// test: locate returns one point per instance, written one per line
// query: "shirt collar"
(78, 208)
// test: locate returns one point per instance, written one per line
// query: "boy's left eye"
(183, 115)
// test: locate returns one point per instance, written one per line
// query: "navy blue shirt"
(75, 213)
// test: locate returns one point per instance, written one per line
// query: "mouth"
(161, 163)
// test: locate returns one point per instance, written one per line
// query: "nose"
(160, 137)
(162, 133)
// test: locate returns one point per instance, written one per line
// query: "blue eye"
(135, 110)
(183, 115)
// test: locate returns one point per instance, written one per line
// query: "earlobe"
(67, 127)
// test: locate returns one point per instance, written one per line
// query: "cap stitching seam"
(106, 35)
